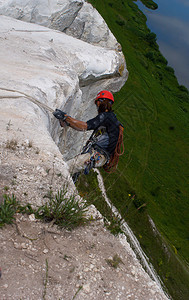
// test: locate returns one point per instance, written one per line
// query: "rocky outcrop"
(58, 71)
(43, 68)
(77, 18)
(83, 69)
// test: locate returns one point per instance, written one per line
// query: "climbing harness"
(97, 156)
(91, 163)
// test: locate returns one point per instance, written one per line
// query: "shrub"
(151, 38)
(162, 59)
(114, 224)
(150, 4)
(170, 69)
(65, 211)
(150, 55)
(115, 261)
(120, 22)
(183, 88)
(159, 75)
(7, 210)
(12, 144)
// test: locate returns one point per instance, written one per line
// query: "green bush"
(114, 224)
(150, 4)
(159, 75)
(183, 89)
(162, 59)
(151, 38)
(120, 22)
(8, 209)
(65, 211)
(150, 55)
(170, 69)
(183, 96)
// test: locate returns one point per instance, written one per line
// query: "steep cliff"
(42, 69)
(77, 18)
(82, 68)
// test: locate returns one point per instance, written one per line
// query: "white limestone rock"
(89, 26)
(57, 14)
(75, 17)
(43, 69)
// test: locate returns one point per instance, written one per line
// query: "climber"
(107, 135)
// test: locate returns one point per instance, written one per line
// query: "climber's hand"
(63, 123)
(60, 115)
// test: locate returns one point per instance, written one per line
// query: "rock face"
(76, 18)
(55, 69)
(66, 71)
(43, 68)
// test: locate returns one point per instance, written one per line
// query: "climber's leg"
(85, 162)
(77, 164)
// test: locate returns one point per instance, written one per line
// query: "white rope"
(38, 103)
(24, 95)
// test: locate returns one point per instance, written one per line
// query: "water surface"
(170, 22)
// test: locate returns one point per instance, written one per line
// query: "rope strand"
(111, 166)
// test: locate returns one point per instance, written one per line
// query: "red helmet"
(105, 95)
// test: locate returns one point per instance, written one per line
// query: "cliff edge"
(43, 67)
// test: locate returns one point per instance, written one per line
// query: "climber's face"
(98, 102)
(103, 105)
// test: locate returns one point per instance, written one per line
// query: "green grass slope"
(152, 180)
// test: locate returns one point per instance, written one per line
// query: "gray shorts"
(80, 162)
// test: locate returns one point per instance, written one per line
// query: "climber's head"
(105, 95)
(104, 101)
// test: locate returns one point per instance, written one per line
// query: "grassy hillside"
(152, 178)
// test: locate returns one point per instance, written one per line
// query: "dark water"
(170, 22)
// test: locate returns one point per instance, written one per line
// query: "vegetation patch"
(8, 208)
(115, 261)
(11, 144)
(61, 209)
(150, 4)
(154, 110)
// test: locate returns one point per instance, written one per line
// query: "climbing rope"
(111, 166)
(24, 95)
(38, 103)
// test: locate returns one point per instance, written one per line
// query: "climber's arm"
(75, 124)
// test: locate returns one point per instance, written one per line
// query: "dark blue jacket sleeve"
(95, 122)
